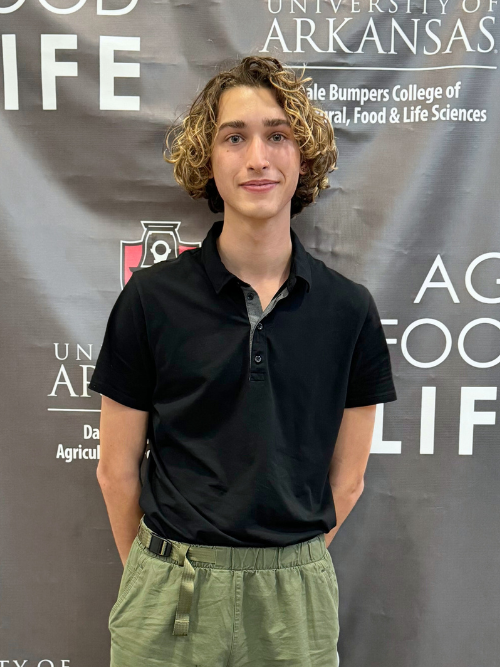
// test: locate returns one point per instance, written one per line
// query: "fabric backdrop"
(412, 212)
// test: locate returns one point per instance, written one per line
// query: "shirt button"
(259, 325)
(258, 358)
(250, 296)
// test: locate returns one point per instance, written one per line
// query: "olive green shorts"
(212, 606)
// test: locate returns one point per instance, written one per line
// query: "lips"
(259, 187)
(257, 182)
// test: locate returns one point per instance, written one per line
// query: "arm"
(123, 440)
(349, 461)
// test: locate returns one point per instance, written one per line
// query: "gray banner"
(412, 212)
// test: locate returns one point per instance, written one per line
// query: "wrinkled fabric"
(254, 607)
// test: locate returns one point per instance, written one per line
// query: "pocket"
(331, 570)
(132, 571)
(331, 577)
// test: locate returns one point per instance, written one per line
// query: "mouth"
(265, 187)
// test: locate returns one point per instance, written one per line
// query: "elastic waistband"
(190, 556)
(238, 558)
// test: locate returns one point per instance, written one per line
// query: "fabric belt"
(179, 551)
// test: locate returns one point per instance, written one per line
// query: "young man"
(254, 370)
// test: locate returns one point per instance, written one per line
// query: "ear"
(303, 167)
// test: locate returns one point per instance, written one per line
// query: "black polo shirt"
(241, 439)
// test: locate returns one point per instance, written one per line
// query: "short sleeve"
(370, 375)
(124, 369)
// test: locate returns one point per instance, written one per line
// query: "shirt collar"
(219, 275)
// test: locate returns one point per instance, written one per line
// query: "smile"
(260, 188)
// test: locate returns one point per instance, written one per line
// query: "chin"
(259, 209)
(261, 213)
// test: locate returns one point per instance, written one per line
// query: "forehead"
(249, 105)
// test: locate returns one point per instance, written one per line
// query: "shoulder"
(167, 273)
(346, 292)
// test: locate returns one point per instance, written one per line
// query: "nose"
(257, 154)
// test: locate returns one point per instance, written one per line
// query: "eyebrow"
(267, 122)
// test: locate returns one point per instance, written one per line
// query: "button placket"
(254, 310)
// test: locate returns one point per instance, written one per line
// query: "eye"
(237, 136)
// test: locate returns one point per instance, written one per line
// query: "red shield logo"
(160, 242)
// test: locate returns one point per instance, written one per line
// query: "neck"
(257, 251)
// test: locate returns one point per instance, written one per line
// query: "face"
(248, 148)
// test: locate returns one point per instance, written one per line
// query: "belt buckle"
(159, 545)
(166, 548)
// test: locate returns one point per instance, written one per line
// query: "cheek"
(294, 156)
(225, 163)
(224, 180)
(289, 160)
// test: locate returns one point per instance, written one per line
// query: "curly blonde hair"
(194, 138)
